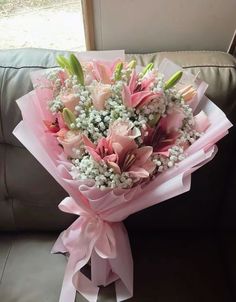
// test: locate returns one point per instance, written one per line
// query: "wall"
(164, 25)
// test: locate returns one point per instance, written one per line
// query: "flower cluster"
(117, 126)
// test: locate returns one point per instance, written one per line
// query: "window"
(42, 24)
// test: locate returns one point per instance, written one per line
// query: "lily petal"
(138, 172)
(93, 153)
(126, 96)
(132, 81)
(88, 143)
(138, 97)
(142, 155)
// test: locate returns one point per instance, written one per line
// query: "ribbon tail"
(101, 272)
(74, 281)
(118, 269)
(122, 265)
(68, 291)
(85, 287)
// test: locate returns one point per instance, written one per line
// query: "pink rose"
(70, 101)
(71, 141)
(100, 93)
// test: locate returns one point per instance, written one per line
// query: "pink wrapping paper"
(98, 233)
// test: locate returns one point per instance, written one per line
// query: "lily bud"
(188, 92)
(77, 68)
(132, 64)
(64, 63)
(68, 117)
(173, 80)
(118, 70)
(147, 68)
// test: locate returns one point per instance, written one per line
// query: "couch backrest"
(29, 195)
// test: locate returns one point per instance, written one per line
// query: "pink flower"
(103, 150)
(138, 162)
(56, 125)
(71, 141)
(137, 85)
(121, 135)
(167, 131)
(103, 70)
(100, 93)
(138, 94)
(52, 127)
(70, 101)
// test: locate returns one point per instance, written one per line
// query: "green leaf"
(173, 80)
(118, 69)
(77, 68)
(64, 63)
(69, 117)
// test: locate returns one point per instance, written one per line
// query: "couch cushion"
(168, 267)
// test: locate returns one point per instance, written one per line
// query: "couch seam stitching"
(184, 66)
(22, 67)
(210, 65)
(179, 51)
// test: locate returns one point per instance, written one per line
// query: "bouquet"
(118, 138)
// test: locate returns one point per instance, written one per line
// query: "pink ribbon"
(92, 237)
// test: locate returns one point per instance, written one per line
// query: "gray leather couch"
(184, 249)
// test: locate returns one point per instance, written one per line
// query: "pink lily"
(137, 163)
(103, 71)
(103, 150)
(137, 95)
(166, 133)
(56, 125)
(137, 99)
(122, 136)
(52, 127)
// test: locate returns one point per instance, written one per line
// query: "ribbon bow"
(87, 234)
